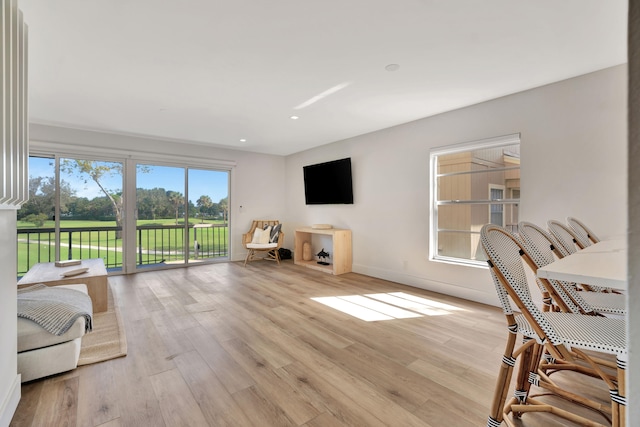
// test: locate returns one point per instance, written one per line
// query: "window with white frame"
(472, 184)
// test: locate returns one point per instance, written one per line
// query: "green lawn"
(159, 241)
(88, 223)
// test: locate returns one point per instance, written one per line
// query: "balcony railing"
(155, 244)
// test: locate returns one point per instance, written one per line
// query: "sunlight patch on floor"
(355, 310)
(415, 303)
(389, 306)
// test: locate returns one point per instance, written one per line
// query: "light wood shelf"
(340, 251)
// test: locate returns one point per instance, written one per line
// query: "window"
(80, 208)
(472, 184)
(496, 210)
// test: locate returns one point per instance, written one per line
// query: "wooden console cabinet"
(340, 250)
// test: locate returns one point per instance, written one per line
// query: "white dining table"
(601, 264)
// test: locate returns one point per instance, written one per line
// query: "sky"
(201, 182)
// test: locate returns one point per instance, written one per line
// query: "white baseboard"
(8, 407)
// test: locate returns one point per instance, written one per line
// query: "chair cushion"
(32, 336)
(275, 233)
(266, 235)
(261, 236)
(261, 245)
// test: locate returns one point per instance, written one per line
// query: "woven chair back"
(564, 237)
(262, 223)
(540, 248)
(582, 231)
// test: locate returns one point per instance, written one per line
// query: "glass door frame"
(81, 155)
(131, 263)
(129, 159)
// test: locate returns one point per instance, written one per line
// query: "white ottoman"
(41, 353)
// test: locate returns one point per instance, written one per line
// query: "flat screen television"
(328, 183)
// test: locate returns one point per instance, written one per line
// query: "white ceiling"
(215, 72)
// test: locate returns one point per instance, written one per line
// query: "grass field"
(89, 223)
(158, 241)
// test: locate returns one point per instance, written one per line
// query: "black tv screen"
(328, 183)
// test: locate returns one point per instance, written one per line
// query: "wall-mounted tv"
(328, 183)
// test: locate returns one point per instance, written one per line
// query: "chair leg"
(504, 380)
(529, 363)
(618, 393)
(621, 396)
(273, 255)
(248, 257)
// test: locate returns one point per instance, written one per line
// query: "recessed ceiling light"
(392, 67)
(243, 140)
(294, 117)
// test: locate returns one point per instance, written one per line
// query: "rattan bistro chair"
(541, 248)
(566, 239)
(563, 336)
(264, 236)
(584, 234)
(557, 295)
(567, 243)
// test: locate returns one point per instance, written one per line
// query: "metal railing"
(155, 244)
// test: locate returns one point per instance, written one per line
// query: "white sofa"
(41, 353)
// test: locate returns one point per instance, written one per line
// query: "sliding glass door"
(160, 215)
(91, 218)
(181, 215)
(77, 215)
(36, 240)
(208, 210)
(79, 209)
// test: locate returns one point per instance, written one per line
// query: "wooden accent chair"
(582, 231)
(563, 338)
(264, 236)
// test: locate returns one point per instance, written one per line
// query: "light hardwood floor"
(224, 345)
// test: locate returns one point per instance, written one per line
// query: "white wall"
(257, 180)
(9, 379)
(573, 163)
